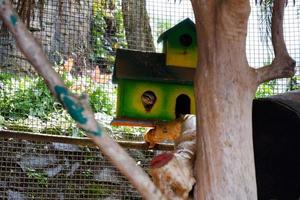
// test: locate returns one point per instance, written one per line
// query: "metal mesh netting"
(80, 38)
(50, 170)
(259, 46)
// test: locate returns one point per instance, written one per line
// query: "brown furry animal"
(168, 131)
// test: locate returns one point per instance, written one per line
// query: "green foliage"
(26, 104)
(107, 32)
(97, 190)
(98, 32)
(26, 96)
(39, 176)
(88, 173)
(294, 83)
(100, 102)
(271, 87)
(266, 89)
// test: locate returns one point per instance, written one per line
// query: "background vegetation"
(26, 102)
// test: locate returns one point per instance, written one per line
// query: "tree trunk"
(137, 25)
(225, 86)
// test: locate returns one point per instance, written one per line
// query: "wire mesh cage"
(259, 45)
(80, 37)
(51, 170)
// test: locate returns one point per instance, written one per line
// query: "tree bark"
(137, 25)
(225, 86)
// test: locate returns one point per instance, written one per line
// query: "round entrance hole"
(186, 40)
(148, 99)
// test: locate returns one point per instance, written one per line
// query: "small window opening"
(185, 40)
(183, 105)
(148, 99)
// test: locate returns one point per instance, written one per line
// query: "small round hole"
(186, 40)
(148, 99)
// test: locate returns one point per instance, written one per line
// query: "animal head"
(148, 99)
(167, 131)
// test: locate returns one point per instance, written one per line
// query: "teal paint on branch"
(13, 19)
(74, 109)
(97, 133)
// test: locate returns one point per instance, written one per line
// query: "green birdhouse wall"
(139, 73)
(180, 44)
(171, 99)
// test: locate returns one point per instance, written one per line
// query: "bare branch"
(77, 106)
(277, 28)
(283, 65)
(280, 68)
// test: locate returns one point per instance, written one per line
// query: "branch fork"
(283, 66)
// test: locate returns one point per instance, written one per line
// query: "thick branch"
(283, 65)
(77, 106)
(238, 5)
(277, 28)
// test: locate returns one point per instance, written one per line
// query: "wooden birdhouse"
(157, 86)
(180, 44)
(149, 90)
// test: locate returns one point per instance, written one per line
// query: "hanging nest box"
(151, 86)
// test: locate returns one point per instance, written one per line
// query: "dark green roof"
(149, 66)
(185, 23)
